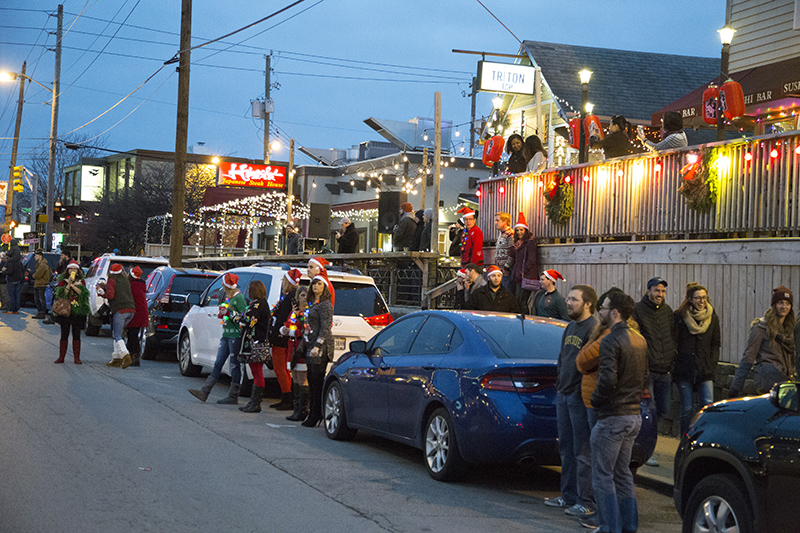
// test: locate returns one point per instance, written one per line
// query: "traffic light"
(17, 177)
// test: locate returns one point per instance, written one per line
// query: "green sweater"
(80, 301)
(230, 326)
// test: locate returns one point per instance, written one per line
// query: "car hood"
(740, 405)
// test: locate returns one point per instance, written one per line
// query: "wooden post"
(437, 170)
(181, 134)
(424, 177)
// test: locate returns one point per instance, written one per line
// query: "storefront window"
(780, 125)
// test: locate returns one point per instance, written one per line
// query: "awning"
(766, 88)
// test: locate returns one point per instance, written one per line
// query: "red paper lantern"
(592, 127)
(575, 132)
(493, 150)
(731, 99)
(710, 96)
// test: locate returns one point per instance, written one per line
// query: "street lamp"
(725, 36)
(585, 75)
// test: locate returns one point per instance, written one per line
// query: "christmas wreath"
(699, 188)
(558, 203)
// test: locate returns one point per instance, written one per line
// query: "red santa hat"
(553, 275)
(466, 212)
(115, 268)
(494, 269)
(323, 277)
(521, 222)
(73, 264)
(320, 262)
(293, 277)
(136, 272)
(462, 273)
(230, 280)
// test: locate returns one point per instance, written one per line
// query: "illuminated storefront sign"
(251, 175)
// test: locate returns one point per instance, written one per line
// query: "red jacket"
(140, 319)
(472, 247)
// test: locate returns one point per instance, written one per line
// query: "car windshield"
(515, 339)
(187, 284)
(358, 299)
(147, 268)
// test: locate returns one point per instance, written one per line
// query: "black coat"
(657, 326)
(455, 241)
(525, 260)
(293, 244)
(279, 316)
(348, 241)
(259, 310)
(614, 145)
(621, 373)
(698, 355)
(502, 302)
(416, 245)
(425, 239)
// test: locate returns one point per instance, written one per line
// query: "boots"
(62, 352)
(233, 395)
(255, 401)
(315, 381)
(135, 359)
(48, 319)
(300, 404)
(285, 404)
(126, 355)
(116, 360)
(205, 390)
(39, 316)
(76, 351)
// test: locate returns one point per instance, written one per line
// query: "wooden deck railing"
(636, 197)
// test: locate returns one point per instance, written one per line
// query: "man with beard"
(573, 422)
(620, 380)
(493, 296)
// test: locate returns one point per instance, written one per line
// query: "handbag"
(62, 307)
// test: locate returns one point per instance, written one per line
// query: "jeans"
(612, 479)
(118, 323)
(574, 448)
(591, 414)
(38, 298)
(228, 347)
(705, 396)
(14, 292)
(660, 390)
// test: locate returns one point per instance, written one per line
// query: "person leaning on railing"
(672, 134)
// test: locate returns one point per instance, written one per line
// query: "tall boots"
(126, 355)
(62, 352)
(254, 406)
(300, 403)
(116, 358)
(316, 378)
(285, 404)
(76, 350)
(205, 390)
(233, 395)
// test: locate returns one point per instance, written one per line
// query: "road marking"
(167, 377)
(281, 425)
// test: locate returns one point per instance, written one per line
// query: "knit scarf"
(697, 322)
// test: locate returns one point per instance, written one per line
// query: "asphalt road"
(91, 448)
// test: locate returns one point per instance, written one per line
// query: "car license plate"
(339, 343)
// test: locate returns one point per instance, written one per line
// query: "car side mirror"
(193, 299)
(358, 346)
(785, 396)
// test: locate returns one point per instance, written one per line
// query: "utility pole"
(266, 108)
(437, 170)
(51, 170)
(290, 182)
(181, 134)
(424, 177)
(14, 146)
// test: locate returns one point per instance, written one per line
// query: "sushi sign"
(251, 175)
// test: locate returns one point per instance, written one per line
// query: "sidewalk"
(660, 477)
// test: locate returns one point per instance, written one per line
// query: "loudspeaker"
(319, 221)
(389, 209)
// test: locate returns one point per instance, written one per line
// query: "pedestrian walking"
(525, 267)
(471, 239)
(770, 346)
(230, 312)
(254, 346)
(492, 296)
(72, 288)
(319, 344)
(293, 328)
(15, 275)
(505, 243)
(117, 290)
(698, 345)
(279, 342)
(347, 237)
(573, 423)
(403, 232)
(140, 317)
(620, 380)
(547, 301)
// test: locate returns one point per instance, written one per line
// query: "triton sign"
(251, 175)
(505, 78)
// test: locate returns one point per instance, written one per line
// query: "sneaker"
(578, 510)
(590, 522)
(651, 462)
(556, 502)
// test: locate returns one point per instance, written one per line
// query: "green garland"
(558, 200)
(700, 192)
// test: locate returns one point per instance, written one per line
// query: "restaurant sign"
(505, 78)
(251, 175)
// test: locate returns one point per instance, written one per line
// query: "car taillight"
(162, 326)
(165, 297)
(522, 382)
(379, 321)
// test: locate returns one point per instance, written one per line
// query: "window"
(154, 282)
(514, 339)
(147, 268)
(266, 279)
(437, 336)
(187, 284)
(396, 339)
(357, 299)
(215, 294)
(96, 268)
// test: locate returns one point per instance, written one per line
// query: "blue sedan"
(465, 387)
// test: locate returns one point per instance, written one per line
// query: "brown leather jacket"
(588, 360)
(620, 378)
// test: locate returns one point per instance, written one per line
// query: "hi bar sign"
(250, 175)
(505, 78)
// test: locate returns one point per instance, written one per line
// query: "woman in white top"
(534, 153)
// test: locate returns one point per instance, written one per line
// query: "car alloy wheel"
(442, 457)
(334, 418)
(718, 503)
(185, 364)
(715, 514)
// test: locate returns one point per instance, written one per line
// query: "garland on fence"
(558, 199)
(699, 188)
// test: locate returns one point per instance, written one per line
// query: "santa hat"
(320, 262)
(521, 222)
(230, 280)
(553, 275)
(322, 276)
(73, 264)
(466, 212)
(293, 276)
(136, 272)
(462, 273)
(494, 269)
(116, 268)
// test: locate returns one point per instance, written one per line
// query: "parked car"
(98, 272)
(360, 310)
(464, 387)
(29, 265)
(167, 291)
(737, 466)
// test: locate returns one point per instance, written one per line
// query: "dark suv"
(738, 466)
(167, 291)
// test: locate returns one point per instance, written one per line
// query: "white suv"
(99, 272)
(360, 311)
